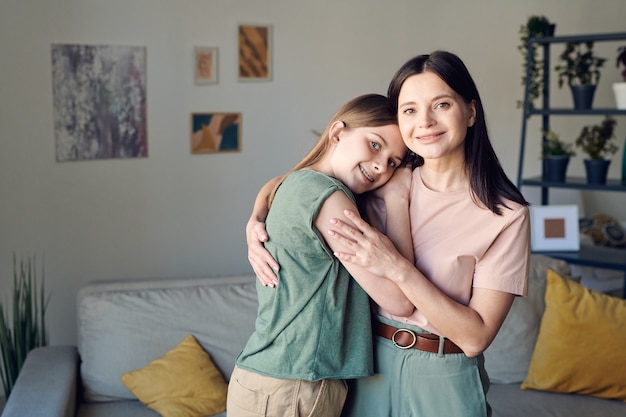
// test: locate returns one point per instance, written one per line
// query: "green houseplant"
(580, 69)
(597, 142)
(24, 329)
(555, 154)
(535, 26)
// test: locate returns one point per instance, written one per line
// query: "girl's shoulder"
(314, 178)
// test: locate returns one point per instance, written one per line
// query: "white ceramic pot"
(619, 89)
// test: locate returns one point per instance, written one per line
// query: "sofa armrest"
(47, 385)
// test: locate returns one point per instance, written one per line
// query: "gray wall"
(177, 214)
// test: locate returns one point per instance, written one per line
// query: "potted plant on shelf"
(580, 68)
(555, 155)
(533, 66)
(619, 88)
(596, 142)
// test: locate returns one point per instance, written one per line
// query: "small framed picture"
(205, 65)
(254, 52)
(215, 132)
(554, 228)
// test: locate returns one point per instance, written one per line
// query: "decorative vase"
(554, 168)
(583, 96)
(597, 170)
(619, 90)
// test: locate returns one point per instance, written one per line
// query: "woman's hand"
(260, 259)
(369, 248)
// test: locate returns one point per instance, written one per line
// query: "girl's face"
(364, 158)
(433, 118)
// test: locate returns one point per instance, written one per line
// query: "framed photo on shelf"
(215, 132)
(254, 52)
(554, 228)
(205, 65)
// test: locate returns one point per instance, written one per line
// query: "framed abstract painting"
(215, 132)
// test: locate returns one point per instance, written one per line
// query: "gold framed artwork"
(254, 52)
(205, 65)
(215, 132)
(554, 228)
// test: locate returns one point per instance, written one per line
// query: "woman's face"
(364, 158)
(433, 118)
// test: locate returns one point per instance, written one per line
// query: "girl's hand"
(260, 259)
(369, 248)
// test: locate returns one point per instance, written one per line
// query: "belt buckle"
(399, 346)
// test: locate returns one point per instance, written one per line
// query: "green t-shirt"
(316, 323)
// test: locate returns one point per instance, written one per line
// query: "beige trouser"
(254, 395)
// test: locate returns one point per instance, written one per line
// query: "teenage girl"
(314, 330)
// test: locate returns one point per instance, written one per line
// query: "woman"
(470, 230)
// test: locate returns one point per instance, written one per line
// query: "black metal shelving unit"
(587, 256)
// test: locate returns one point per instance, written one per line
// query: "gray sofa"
(124, 325)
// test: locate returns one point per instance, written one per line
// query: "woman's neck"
(444, 177)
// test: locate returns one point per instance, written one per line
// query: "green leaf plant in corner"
(23, 328)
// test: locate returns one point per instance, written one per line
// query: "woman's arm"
(471, 327)
(260, 259)
(394, 194)
(383, 291)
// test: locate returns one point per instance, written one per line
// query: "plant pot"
(597, 170)
(549, 30)
(583, 96)
(619, 90)
(554, 168)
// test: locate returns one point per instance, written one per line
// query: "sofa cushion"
(182, 383)
(124, 325)
(581, 342)
(508, 357)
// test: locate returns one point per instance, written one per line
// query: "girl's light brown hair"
(368, 110)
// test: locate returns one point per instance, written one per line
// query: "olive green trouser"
(415, 383)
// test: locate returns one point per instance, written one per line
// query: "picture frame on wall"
(254, 52)
(89, 122)
(205, 65)
(554, 228)
(215, 132)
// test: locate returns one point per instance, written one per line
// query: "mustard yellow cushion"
(182, 383)
(581, 347)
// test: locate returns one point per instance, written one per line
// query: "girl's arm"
(395, 223)
(383, 291)
(472, 327)
(395, 195)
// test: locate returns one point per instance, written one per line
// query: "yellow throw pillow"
(581, 347)
(182, 383)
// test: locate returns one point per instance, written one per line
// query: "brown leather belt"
(407, 339)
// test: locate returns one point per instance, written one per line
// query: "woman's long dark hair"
(488, 180)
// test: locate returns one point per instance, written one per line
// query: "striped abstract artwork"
(254, 52)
